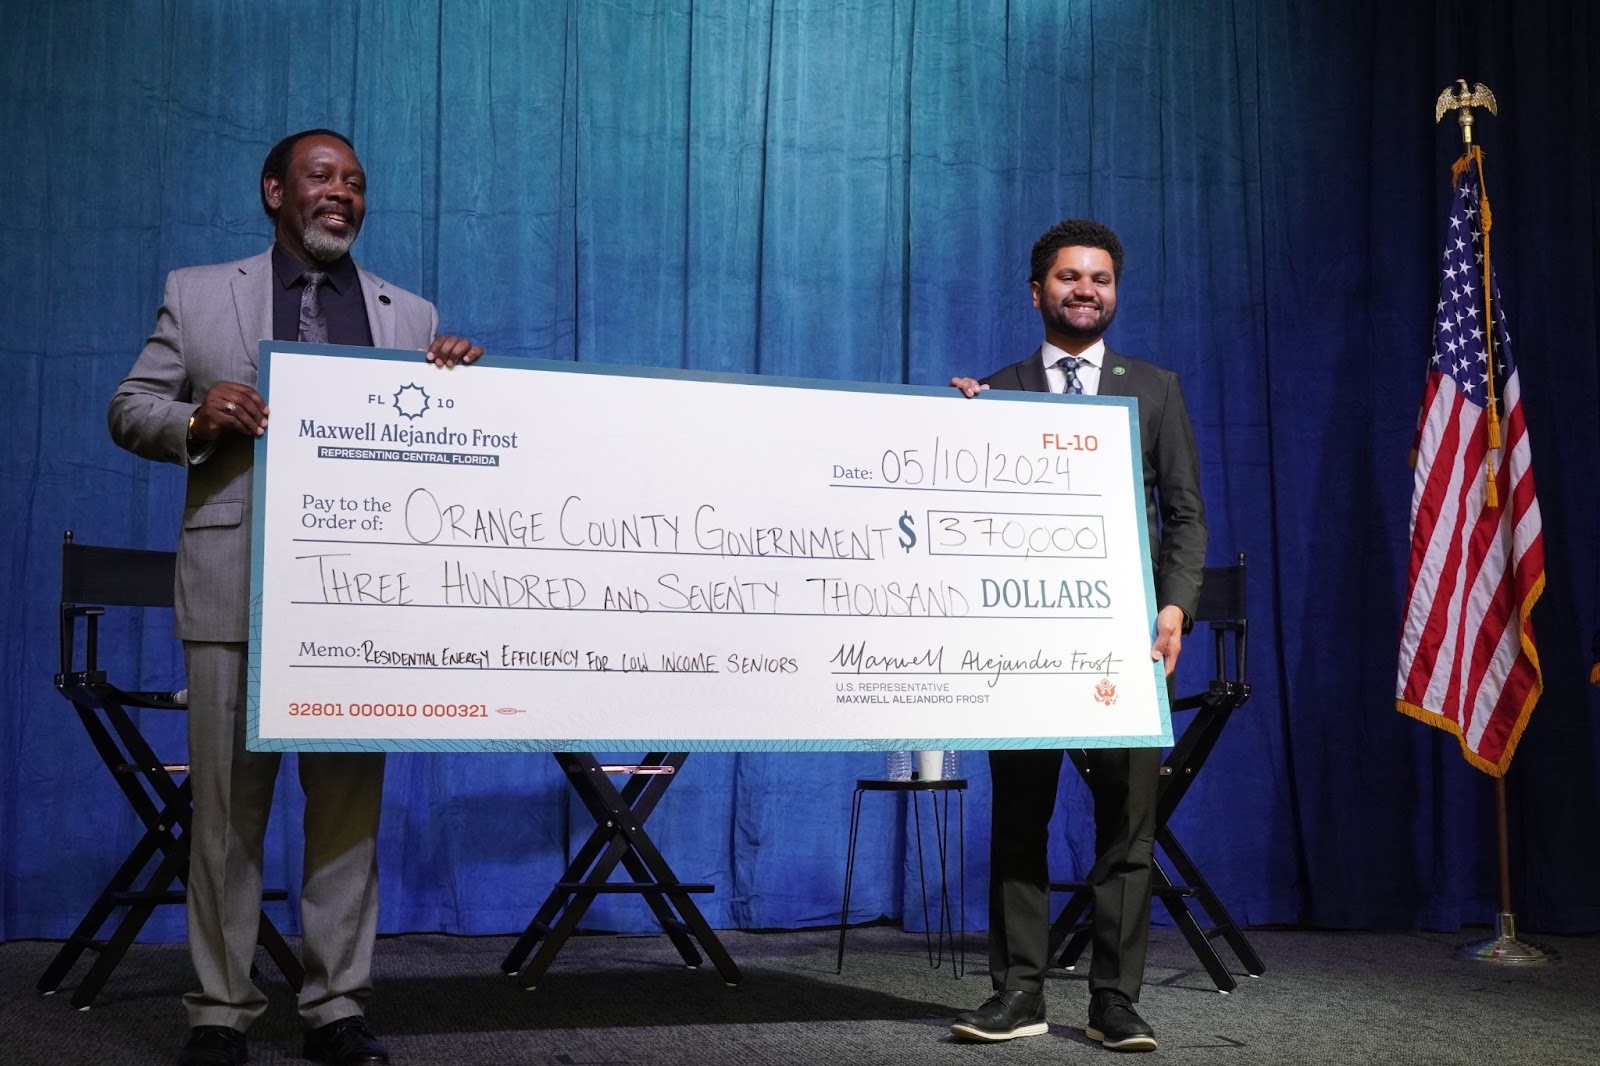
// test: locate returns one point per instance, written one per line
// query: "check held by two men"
(539, 556)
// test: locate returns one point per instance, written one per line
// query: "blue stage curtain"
(849, 191)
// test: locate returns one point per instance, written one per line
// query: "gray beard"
(324, 246)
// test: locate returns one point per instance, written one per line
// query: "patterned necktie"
(1071, 363)
(313, 323)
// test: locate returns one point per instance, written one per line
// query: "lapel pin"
(384, 300)
(1119, 370)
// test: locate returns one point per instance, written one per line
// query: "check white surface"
(542, 556)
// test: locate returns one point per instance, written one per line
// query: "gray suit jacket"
(211, 321)
(1173, 507)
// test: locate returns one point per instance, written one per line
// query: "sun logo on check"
(411, 401)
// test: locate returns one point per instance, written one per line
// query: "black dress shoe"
(1006, 1016)
(346, 1042)
(1114, 1022)
(214, 1045)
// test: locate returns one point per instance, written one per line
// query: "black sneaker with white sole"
(1006, 1016)
(1116, 1025)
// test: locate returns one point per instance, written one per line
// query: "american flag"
(1467, 658)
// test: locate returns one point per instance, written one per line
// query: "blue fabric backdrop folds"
(849, 191)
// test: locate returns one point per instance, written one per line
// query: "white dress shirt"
(1093, 357)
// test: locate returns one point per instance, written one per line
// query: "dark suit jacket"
(1173, 507)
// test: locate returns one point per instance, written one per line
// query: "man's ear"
(272, 191)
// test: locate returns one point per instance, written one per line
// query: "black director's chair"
(619, 839)
(92, 579)
(1222, 608)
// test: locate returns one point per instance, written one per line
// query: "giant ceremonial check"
(543, 556)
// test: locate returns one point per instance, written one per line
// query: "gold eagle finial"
(1459, 97)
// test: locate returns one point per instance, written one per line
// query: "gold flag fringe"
(1485, 221)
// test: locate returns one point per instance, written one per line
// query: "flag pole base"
(1504, 947)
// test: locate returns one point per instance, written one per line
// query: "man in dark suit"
(1075, 267)
(190, 399)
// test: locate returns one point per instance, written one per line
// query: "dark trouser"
(1123, 784)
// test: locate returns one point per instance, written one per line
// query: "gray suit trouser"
(232, 798)
(1123, 783)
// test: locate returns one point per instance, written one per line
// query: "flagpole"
(1503, 947)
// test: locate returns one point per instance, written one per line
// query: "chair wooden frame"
(156, 869)
(619, 838)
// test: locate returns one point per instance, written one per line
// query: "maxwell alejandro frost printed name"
(389, 433)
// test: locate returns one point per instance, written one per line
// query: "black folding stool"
(92, 579)
(1222, 608)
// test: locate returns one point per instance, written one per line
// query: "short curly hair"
(277, 160)
(1074, 233)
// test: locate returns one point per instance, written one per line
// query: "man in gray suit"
(190, 399)
(1075, 267)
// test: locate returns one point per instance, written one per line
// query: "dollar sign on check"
(908, 535)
